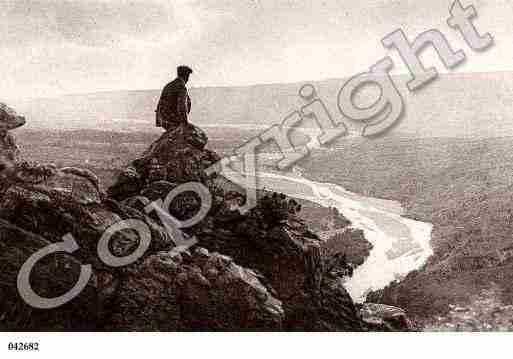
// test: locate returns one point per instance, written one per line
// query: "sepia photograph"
(264, 169)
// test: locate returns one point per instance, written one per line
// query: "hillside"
(463, 187)
(454, 105)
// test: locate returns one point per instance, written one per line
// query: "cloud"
(62, 46)
(90, 23)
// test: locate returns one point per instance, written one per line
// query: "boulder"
(194, 291)
(289, 258)
(178, 156)
(54, 202)
(9, 119)
(385, 317)
(51, 277)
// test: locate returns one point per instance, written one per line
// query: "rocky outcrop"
(51, 277)
(193, 291)
(177, 156)
(9, 119)
(165, 289)
(262, 270)
(55, 202)
(271, 239)
(381, 317)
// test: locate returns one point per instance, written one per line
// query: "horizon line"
(243, 86)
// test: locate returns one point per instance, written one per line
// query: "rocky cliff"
(261, 270)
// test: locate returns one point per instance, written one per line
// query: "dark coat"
(174, 105)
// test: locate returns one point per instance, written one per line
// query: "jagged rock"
(194, 291)
(158, 189)
(51, 277)
(9, 119)
(271, 239)
(336, 310)
(129, 182)
(289, 258)
(84, 173)
(385, 317)
(52, 203)
(178, 156)
(68, 184)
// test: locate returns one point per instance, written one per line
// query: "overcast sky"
(58, 47)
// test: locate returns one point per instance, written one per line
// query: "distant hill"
(458, 105)
(464, 187)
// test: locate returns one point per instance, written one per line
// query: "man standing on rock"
(174, 104)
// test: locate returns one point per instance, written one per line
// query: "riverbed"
(400, 245)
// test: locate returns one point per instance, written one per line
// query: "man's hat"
(185, 70)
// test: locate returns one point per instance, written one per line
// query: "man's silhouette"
(174, 104)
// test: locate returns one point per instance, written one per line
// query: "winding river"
(400, 245)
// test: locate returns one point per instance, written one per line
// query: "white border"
(260, 345)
